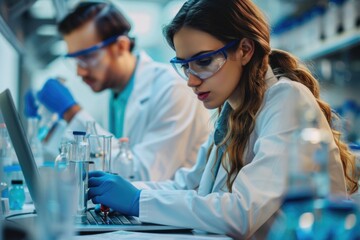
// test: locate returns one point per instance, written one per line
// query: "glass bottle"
(337, 219)
(16, 195)
(308, 183)
(123, 163)
(91, 128)
(62, 160)
(80, 147)
(35, 143)
(309, 156)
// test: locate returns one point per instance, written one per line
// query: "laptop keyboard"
(114, 218)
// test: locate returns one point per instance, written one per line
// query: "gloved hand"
(56, 97)
(114, 192)
(30, 104)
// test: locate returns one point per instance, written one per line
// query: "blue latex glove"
(30, 104)
(56, 97)
(114, 192)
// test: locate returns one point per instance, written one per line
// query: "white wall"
(9, 62)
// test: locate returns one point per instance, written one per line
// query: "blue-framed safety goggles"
(88, 57)
(204, 65)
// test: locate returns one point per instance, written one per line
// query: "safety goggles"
(202, 66)
(91, 56)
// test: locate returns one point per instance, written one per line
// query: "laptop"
(95, 222)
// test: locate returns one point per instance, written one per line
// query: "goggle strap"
(93, 48)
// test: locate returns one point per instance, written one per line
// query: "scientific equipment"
(48, 116)
(308, 179)
(337, 219)
(62, 160)
(16, 195)
(123, 163)
(100, 153)
(47, 121)
(91, 128)
(308, 158)
(79, 167)
(5, 146)
(35, 143)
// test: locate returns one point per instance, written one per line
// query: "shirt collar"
(125, 93)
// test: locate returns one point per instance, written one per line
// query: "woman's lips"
(202, 96)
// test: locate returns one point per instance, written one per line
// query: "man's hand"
(56, 97)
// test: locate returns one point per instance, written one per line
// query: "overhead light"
(43, 9)
(47, 30)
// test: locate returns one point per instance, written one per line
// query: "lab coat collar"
(221, 124)
(141, 91)
(270, 78)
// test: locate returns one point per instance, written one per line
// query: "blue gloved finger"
(96, 181)
(30, 104)
(96, 174)
(94, 191)
(98, 200)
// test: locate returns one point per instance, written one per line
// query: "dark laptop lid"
(20, 143)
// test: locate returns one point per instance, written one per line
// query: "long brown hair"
(228, 20)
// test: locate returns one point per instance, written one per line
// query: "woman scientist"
(223, 51)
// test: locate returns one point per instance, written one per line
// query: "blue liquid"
(16, 197)
(42, 133)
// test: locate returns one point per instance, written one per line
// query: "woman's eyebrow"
(195, 55)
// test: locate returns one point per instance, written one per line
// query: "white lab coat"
(203, 201)
(164, 122)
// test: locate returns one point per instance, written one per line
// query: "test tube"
(107, 168)
(79, 166)
(107, 154)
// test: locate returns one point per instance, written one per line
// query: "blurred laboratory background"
(323, 33)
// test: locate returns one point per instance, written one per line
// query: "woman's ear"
(246, 50)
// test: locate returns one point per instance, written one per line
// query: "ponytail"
(286, 65)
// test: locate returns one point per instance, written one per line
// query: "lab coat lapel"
(220, 179)
(208, 177)
(140, 94)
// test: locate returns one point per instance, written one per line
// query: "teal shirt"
(118, 104)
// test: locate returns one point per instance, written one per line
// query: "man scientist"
(149, 104)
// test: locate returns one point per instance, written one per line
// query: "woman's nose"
(194, 81)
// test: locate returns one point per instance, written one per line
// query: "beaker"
(79, 170)
(100, 151)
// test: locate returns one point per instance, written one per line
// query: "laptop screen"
(20, 143)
